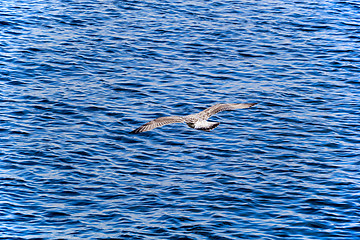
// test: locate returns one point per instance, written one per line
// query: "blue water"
(77, 76)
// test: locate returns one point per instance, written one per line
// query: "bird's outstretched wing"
(161, 121)
(223, 107)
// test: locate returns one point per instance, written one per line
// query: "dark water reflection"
(77, 76)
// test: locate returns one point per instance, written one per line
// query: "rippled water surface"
(77, 76)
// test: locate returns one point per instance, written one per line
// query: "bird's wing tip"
(138, 130)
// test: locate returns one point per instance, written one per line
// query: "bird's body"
(197, 121)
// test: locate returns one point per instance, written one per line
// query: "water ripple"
(78, 76)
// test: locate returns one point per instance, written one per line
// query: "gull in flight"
(197, 121)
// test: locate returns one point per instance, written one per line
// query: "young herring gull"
(197, 121)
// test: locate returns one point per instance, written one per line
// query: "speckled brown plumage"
(197, 121)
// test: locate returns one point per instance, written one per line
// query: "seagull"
(197, 121)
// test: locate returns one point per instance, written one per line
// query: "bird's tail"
(206, 125)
